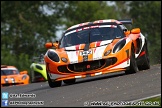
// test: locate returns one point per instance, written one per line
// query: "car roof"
(7, 67)
(95, 22)
(106, 21)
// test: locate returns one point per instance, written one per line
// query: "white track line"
(148, 97)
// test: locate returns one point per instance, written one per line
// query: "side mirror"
(23, 72)
(135, 31)
(50, 45)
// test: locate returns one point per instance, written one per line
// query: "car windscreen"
(9, 72)
(91, 34)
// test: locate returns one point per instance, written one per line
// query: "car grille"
(87, 66)
(38, 77)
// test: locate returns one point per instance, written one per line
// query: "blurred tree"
(76, 12)
(25, 27)
(122, 9)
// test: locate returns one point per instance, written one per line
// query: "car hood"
(85, 52)
(88, 46)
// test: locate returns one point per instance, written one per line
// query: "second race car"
(38, 69)
(10, 75)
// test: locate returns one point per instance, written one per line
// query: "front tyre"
(53, 84)
(133, 65)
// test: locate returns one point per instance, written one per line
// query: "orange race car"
(96, 48)
(10, 75)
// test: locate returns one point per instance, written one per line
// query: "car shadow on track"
(95, 78)
(83, 80)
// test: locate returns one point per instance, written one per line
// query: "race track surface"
(103, 88)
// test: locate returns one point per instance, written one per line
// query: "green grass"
(156, 101)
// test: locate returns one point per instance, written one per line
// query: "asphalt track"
(104, 88)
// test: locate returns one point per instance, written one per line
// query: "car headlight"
(119, 45)
(53, 56)
(24, 77)
(107, 52)
(6, 80)
(39, 67)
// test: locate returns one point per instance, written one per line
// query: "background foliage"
(26, 26)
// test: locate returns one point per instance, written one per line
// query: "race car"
(38, 70)
(10, 75)
(96, 48)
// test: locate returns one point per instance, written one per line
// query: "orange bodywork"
(102, 54)
(11, 76)
(121, 56)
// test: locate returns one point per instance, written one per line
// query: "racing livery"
(10, 75)
(96, 48)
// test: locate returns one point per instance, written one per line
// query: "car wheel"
(133, 65)
(69, 81)
(53, 84)
(145, 59)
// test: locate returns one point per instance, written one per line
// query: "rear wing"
(126, 21)
(123, 21)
